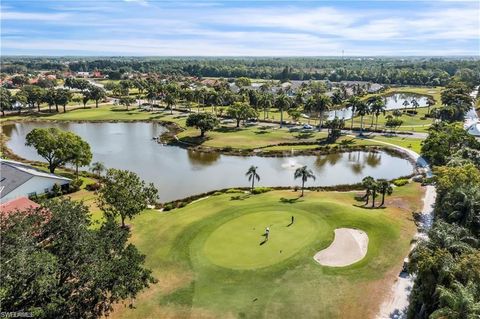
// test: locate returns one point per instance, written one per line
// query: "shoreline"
(169, 138)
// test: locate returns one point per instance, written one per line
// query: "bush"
(181, 204)
(168, 207)
(75, 185)
(56, 190)
(217, 193)
(400, 182)
(260, 190)
(233, 191)
(93, 187)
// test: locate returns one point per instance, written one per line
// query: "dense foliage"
(59, 147)
(411, 71)
(447, 264)
(56, 265)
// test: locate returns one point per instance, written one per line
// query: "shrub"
(93, 187)
(233, 191)
(260, 190)
(217, 193)
(181, 204)
(400, 182)
(75, 185)
(167, 207)
(56, 190)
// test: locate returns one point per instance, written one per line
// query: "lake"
(179, 173)
(392, 102)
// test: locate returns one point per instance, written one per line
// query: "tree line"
(447, 264)
(402, 71)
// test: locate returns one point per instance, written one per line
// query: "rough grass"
(191, 285)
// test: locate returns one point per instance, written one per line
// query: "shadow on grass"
(182, 296)
(227, 129)
(291, 200)
(369, 207)
(196, 140)
(348, 142)
(304, 135)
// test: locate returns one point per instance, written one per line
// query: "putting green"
(240, 244)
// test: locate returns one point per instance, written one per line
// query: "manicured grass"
(225, 136)
(244, 236)
(209, 262)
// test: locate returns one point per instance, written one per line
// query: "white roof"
(31, 170)
(474, 129)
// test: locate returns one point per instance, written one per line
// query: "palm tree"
(252, 175)
(353, 103)
(405, 104)
(170, 101)
(322, 105)
(458, 301)
(265, 102)
(337, 99)
(362, 110)
(430, 103)
(304, 173)
(369, 184)
(415, 103)
(97, 168)
(377, 107)
(283, 102)
(385, 188)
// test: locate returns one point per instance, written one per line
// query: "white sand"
(348, 247)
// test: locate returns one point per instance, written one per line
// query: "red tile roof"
(21, 203)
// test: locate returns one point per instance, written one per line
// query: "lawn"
(209, 262)
(251, 137)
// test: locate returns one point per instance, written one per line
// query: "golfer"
(267, 233)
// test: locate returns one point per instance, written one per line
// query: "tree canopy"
(125, 195)
(56, 265)
(59, 147)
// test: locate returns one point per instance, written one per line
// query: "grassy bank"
(253, 137)
(196, 256)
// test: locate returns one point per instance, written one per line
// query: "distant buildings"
(20, 180)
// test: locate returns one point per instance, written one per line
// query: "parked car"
(307, 127)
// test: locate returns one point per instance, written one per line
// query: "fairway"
(241, 243)
(209, 262)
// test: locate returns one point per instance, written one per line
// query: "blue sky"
(239, 28)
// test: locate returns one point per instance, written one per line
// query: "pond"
(392, 102)
(178, 172)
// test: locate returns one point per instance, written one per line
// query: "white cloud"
(211, 29)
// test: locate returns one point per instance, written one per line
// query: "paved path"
(395, 304)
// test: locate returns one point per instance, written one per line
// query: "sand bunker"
(348, 247)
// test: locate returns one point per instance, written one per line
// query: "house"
(18, 179)
(97, 74)
(83, 74)
(17, 204)
(474, 128)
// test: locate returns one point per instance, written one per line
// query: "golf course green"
(209, 262)
(245, 236)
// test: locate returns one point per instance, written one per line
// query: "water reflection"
(179, 173)
(392, 102)
(202, 158)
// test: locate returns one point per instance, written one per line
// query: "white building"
(18, 179)
(474, 129)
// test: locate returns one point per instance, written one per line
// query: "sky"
(239, 28)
